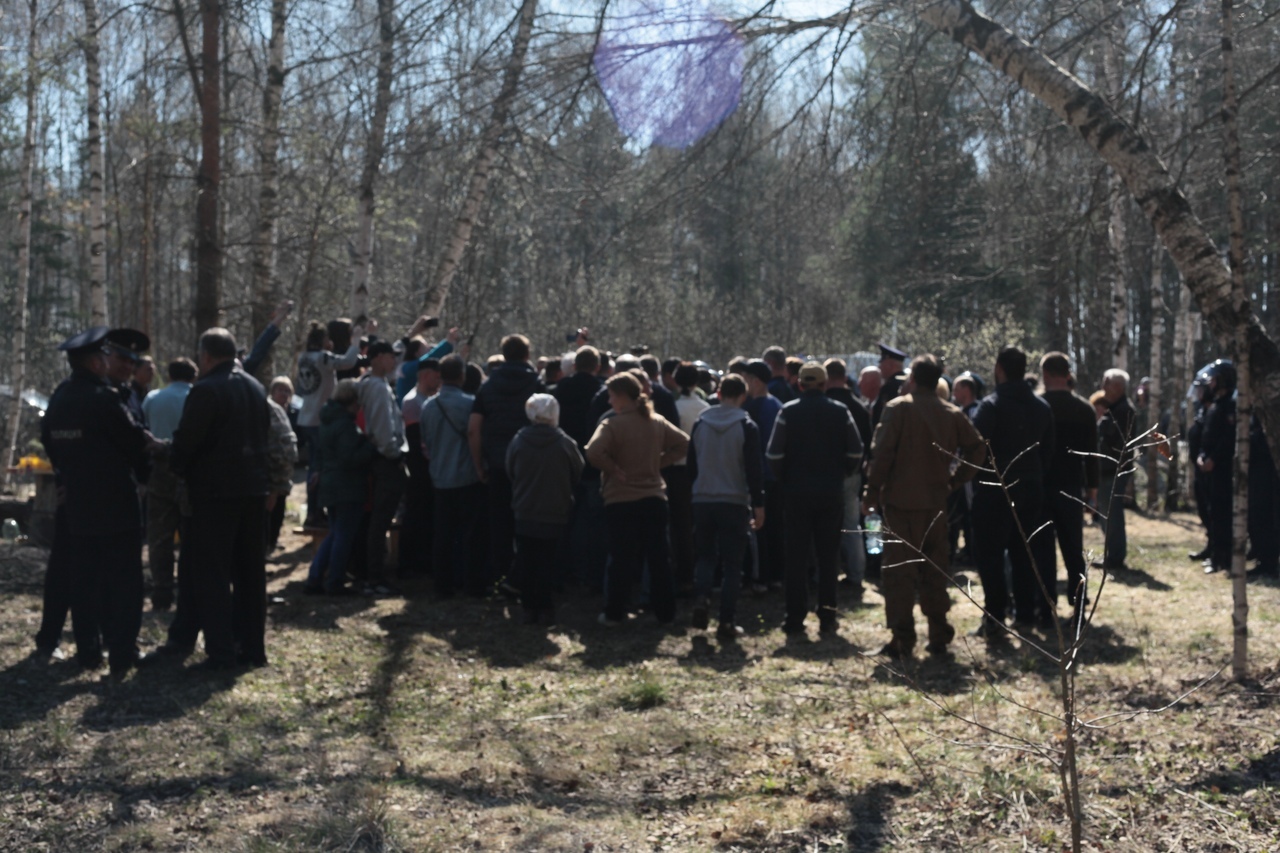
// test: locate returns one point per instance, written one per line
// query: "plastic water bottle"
(9, 531)
(871, 526)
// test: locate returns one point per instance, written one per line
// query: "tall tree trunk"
(264, 258)
(478, 187)
(208, 245)
(1117, 203)
(1125, 150)
(1176, 496)
(97, 206)
(362, 254)
(1155, 366)
(1244, 403)
(27, 180)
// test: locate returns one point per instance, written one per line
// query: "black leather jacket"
(220, 445)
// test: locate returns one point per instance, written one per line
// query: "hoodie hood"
(540, 435)
(722, 418)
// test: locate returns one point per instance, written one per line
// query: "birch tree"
(1241, 351)
(26, 178)
(97, 208)
(362, 253)
(478, 186)
(264, 256)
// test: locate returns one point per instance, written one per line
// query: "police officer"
(1200, 400)
(1264, 508)
(891, 364)
(99, 454)
(1217, 457)
(124, 348)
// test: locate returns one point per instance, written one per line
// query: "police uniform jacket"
(220, 445)
(99, 452)
(1219, 443)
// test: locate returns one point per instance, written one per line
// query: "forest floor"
(410, 724)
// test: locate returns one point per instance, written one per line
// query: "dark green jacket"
(345, 457)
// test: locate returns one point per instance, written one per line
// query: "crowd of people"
(616, 473)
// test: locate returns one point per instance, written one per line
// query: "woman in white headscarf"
(544, 464)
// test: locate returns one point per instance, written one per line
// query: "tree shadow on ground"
(1260, 772)
(314, 612)
(869, 812)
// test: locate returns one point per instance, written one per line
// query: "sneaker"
(604, 620)
(701, 615)
(728, 632)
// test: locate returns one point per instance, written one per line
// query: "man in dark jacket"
(496, 416)
(814, 446)
(220, 452)
(1116, 433)
(1018, 427)
(1217, 459)
(99, 454)
(1072, 477)
(724, 464)
(575, 393)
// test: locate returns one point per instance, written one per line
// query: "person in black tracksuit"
(100, 455)
(1264, 506)
(1217, 458)
(220, 452)
(1072, 476)
(1018, 426)
(814, 446)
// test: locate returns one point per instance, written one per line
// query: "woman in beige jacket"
(630, 447)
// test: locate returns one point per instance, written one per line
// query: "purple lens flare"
(671, 72)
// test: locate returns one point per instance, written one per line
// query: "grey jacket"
(544, 465)
(724, 458)
(382, 420)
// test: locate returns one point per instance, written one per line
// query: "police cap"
(129, 343)
(887, 351)
(89, 339)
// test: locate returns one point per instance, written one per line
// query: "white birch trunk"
(478, 186)
(362, 253)
(97, 206)
(264, 255)
(1147, 178)
(1244, 403)
(1117, 231)
(1155, 364)
(26, 179)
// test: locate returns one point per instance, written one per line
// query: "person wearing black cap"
(99, 454)
(124, 348)
(814, 446)
(220, 451)
(892, 360)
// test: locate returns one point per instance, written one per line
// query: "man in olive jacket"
(915, 447)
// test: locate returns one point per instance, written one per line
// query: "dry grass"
(413, 725)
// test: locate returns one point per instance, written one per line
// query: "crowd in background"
(616, 473)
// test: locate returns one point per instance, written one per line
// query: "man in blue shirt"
(460, 495)
(163, 410)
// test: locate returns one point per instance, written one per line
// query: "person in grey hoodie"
(544, 464)
(725, 464)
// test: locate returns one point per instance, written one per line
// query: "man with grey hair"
(1115, 433)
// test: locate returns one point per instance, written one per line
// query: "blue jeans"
(722, 530)
(330, 563)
